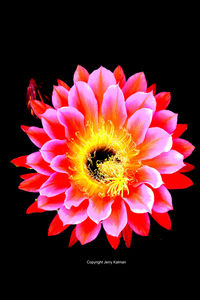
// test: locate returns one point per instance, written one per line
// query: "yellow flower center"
(103, 160)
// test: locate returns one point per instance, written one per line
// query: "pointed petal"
(162, 200)
(183, 146)
(39, 107)
(81, 74)
(51, 125)
(140, 199)
(162, 99)
(135, 83)
(139, 223)
(176, 181)
(113, 106)
(73, 238)
(99, 80)
(53, 148)
(156, 141)
(127, 235)
(33, 183)
(56, 184)
(62, 83)
(117, 220)
(20, 161)
(162, 219)
(87, 231)
(37, 135)
(166, 162)
(74, 197)
(51, 203)
(59, 96)
(152, 88)
(99, 208)
(148, 175)
(114, 240)
(187, 168)
(74, 215)
(180, 129)
(165, 119)
(72, 120)
(138, 124)
(36, 161)
(56, 226)
(33, 208)
(140, 100)
(60, 163)
(119, 76)
(82, 98)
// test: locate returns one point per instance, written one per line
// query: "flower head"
(109, 150)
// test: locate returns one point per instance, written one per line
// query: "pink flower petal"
(33, 183)
(113, 106)
(87, 231)
(99, 80)
(37, 135)
(156, 141)
(60, 163)
(74, 215)
(140, 199)
(183, 146)
(162, 219)
(36, 161)
(165, 119)
(162, 200)
(148, 175)
(56, 184)
(140, 100)
(82, 98)
(99, 208)
(51, 203)
(59, 96)
(139, 223)
(51, 124)
(135, 83)
(166, 162)
(81, 74)
(138, 124)
(119, 76)
(74, 197)
(53, 148)
(117, 220)
(162, 99)
(72, 120)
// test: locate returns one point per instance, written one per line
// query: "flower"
(109, 151)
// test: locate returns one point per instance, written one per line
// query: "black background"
(166, 60)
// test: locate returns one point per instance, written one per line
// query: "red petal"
(73, 238)
(51, 203)
(56, 226)
(187, 168)
(33, 208)
(180, 129)
(33, 183)
(135, 83)
(119, 76)
(152, 88)
(81, 74)
(56, 184)
(87, 231)
(183, 146)
(36, 161)
(139, 223)
(62, 83)
(20, 161)
(37, 135)
(39, 107)
(162, 219)
(127, 235)
(176, 181)
(113, 240)
(163, 99)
